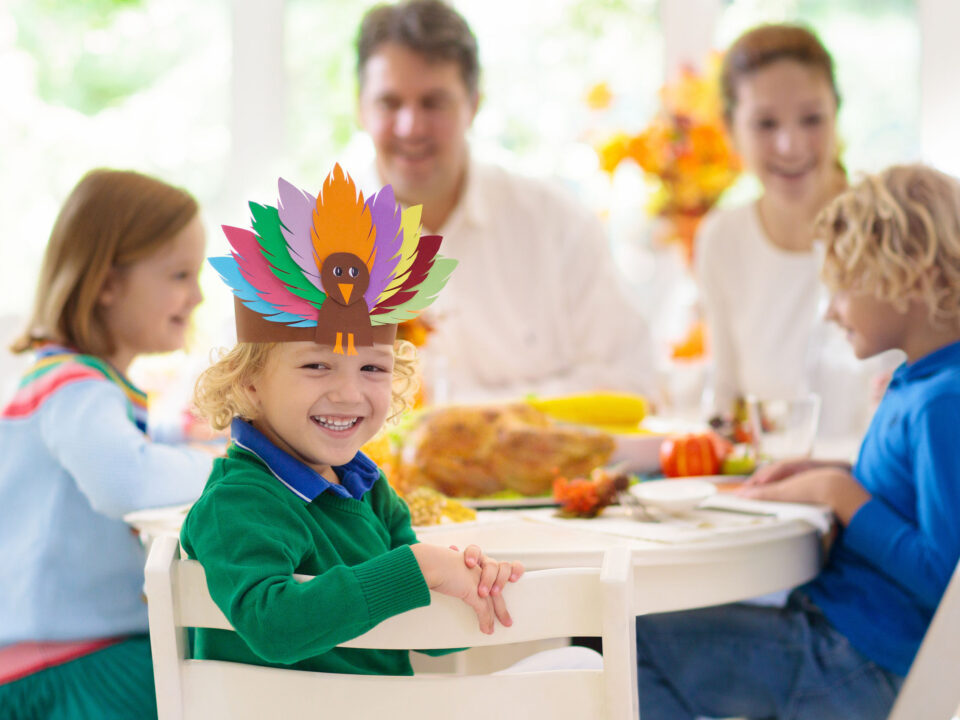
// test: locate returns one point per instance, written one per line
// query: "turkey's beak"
(345, 290)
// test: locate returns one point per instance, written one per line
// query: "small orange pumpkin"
(687, 455)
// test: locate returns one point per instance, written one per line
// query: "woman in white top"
(756, 264)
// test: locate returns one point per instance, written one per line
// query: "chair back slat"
(219, 689)
(452, 623)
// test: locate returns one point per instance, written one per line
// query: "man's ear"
(358, 112)
(474, 105)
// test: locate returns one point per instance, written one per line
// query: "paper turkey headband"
(335, 269)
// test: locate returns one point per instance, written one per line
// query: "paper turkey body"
(335, 269)
(344, 278)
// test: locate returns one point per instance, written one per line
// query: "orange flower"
(692, 346)
(684, 150)
(613, 151)
(415, 331)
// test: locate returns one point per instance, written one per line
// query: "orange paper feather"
(341, 220)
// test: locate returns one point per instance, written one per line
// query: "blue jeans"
(756, 662)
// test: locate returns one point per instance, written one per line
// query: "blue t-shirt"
(891, 564)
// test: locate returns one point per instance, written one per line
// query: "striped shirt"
(74, 458)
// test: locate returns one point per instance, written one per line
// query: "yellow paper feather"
(410, 222)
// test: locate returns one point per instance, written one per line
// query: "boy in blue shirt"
(843, 643)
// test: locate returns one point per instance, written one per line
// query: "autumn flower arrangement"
(416, 331)
(684, 151)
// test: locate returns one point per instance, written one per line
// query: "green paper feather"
(433, 284)
(266, 224)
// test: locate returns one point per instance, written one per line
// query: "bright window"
(104, 83)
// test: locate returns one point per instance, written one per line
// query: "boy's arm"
(490, 579)
(920, 557)
(395, 514)
(250, 543)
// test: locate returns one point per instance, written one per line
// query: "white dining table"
(748, 557)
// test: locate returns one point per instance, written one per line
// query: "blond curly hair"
(897, 235)
(221, 390)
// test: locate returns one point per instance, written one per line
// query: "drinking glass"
(783, 428)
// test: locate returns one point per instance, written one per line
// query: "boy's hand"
(446, 571)
(825, 485)
(494, 576)
(782, 469)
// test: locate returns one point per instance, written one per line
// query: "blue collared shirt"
(356, 477)
(890, 565)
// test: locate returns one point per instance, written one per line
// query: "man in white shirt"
(535, 305)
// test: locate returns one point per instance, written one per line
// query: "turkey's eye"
(353, 272)
(337, 271)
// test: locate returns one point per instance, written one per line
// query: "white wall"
(258, 117)
(688, 30)
(940, 83)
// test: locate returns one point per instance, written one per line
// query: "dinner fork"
(634, 506)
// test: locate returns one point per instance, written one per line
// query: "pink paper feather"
(257, 271)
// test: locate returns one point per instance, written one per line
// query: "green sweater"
(251, 534)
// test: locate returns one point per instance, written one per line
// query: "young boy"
(844, 642)
(320, 284)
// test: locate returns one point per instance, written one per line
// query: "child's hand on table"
(829, 485)
(447, 571)
(782, 469)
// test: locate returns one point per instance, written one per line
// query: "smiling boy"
(845, 640)
(306, 385)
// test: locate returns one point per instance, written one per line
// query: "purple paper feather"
(295, 209)
(257, 271)
(386, 218)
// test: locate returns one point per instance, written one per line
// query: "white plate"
(674, 496)
(721, 479)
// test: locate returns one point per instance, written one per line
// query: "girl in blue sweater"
(119, 279)
(843, 643)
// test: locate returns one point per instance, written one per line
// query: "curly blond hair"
(897, 235)
(221, 390)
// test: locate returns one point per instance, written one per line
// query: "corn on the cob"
(598, 408)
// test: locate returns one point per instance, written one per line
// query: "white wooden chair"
(932, 688)
(546, 603)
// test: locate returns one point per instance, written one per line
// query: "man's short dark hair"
(428, 27)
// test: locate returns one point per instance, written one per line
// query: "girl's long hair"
(112, 218)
